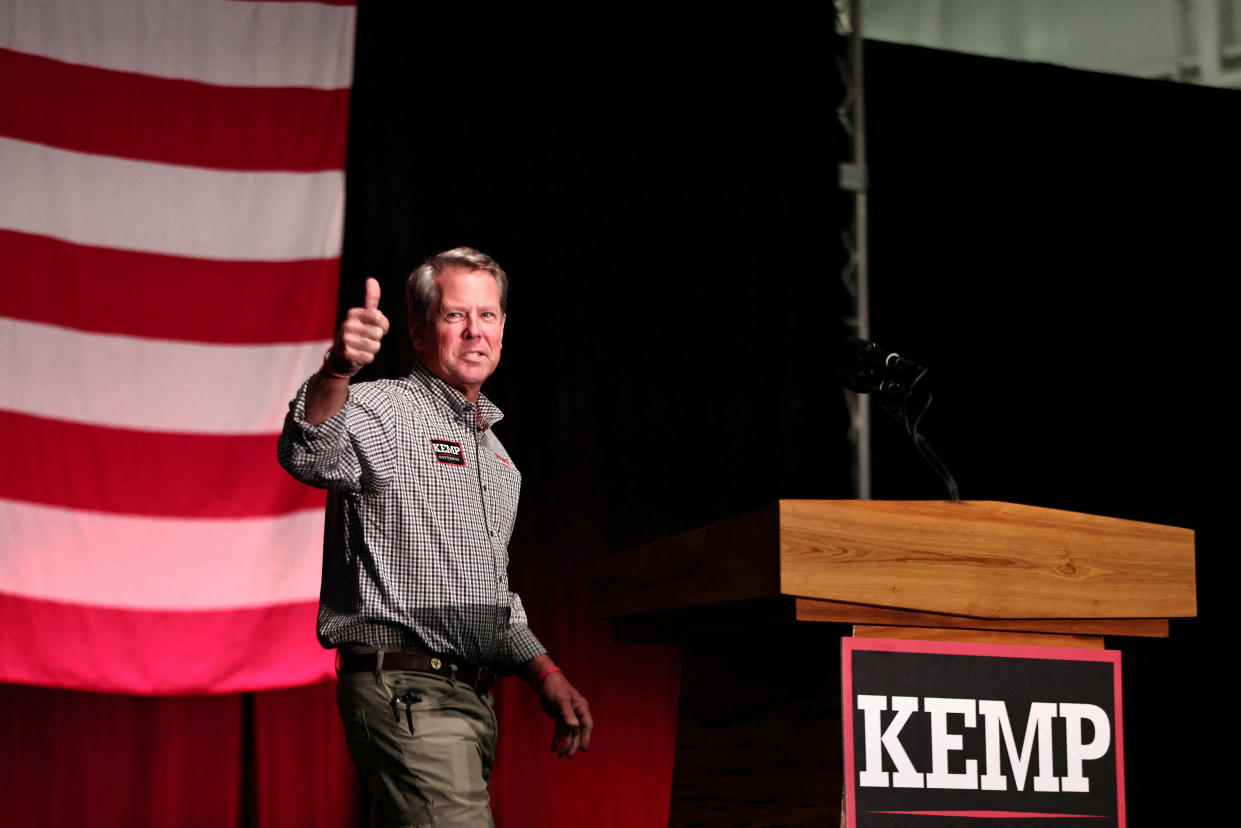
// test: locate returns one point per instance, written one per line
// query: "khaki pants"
(435, 775)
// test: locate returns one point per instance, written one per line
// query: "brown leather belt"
(480, 678)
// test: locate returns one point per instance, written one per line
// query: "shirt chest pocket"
(503, 488)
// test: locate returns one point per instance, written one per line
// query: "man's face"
(461, 344)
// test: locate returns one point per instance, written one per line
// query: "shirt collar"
(488, 414)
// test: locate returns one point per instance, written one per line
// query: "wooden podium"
(755, 601)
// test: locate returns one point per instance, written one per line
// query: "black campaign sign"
(937, 733)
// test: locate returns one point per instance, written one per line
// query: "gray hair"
(422, 294)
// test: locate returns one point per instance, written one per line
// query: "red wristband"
(546, 673)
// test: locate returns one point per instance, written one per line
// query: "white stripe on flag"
(166, 208)
(71, 555)
(150, 384)
(228, 43)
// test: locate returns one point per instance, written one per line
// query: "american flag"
(171, 212)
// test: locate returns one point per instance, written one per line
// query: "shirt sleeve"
(522, 644)
(352, 451)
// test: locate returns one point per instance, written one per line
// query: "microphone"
(867, 367)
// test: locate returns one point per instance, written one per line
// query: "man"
(422, 498)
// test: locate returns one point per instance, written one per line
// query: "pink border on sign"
(849, 644)
(995, 814)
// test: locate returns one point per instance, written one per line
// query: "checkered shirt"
(421, 503)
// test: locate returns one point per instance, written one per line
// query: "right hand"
(359, 336)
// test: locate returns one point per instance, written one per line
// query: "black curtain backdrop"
(1054, 245)
(1047, 241)
(664, 207)
(662, 195)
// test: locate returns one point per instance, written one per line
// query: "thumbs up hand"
(359, 336)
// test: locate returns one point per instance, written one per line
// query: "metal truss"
(853, 178)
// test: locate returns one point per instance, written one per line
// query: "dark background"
(1055, 245)
(662, 195)
(664, 210)
(1051, 243)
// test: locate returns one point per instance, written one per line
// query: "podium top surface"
(981, 559)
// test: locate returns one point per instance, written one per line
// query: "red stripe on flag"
(114, 650)
(78, 466)
(104, 290)
(137, 116)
